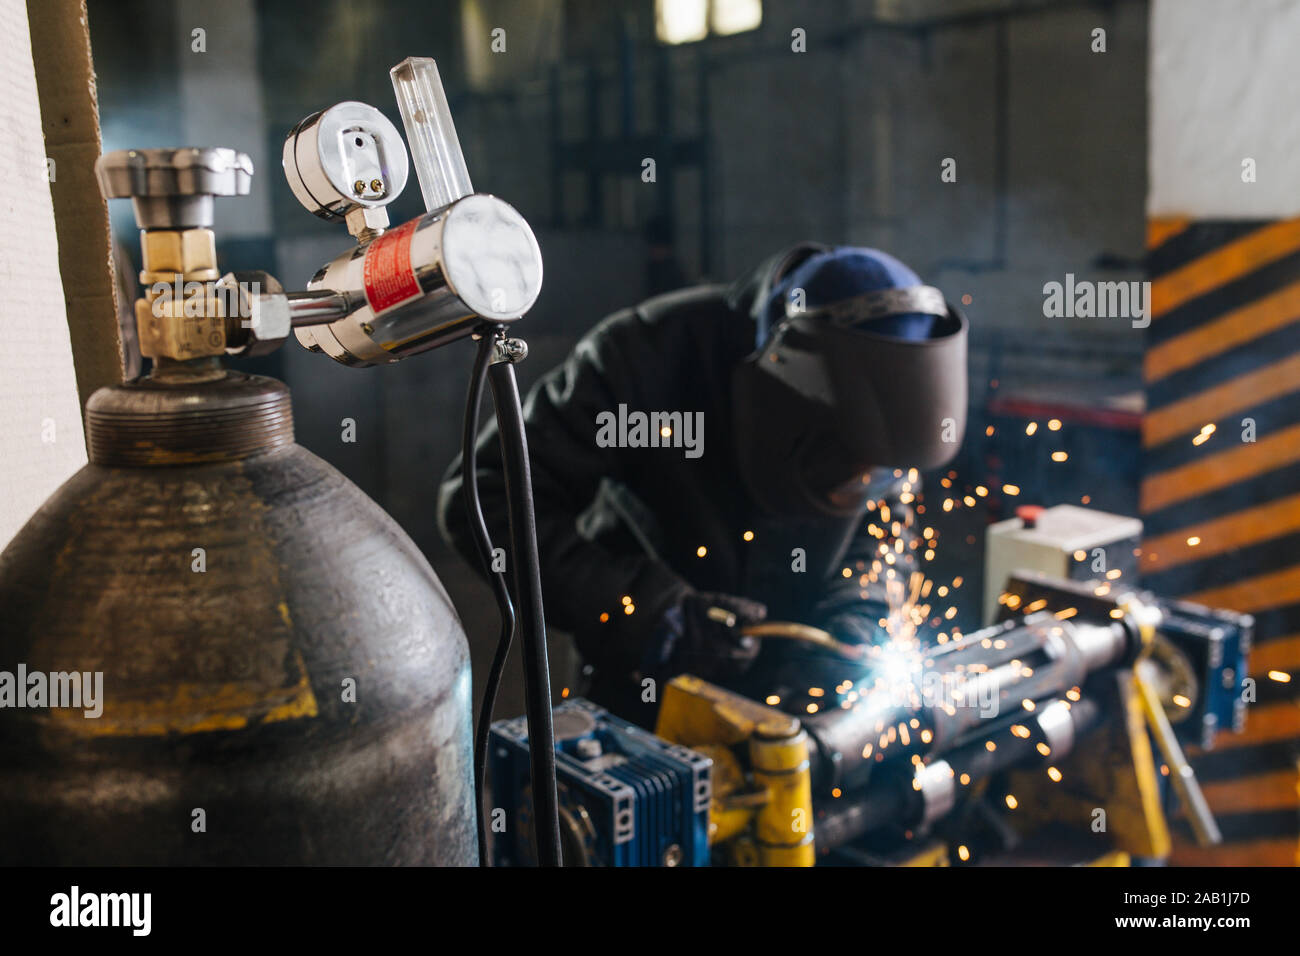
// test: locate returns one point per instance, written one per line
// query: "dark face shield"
(826, 400)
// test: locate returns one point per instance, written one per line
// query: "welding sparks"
(897, 663)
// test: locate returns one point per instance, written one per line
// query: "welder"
(818, 386)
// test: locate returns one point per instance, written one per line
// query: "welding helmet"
(857, 365)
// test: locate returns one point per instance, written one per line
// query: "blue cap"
(844, 273)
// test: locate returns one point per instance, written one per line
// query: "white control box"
(1060, 541)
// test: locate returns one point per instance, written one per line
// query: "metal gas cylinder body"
(284, 678)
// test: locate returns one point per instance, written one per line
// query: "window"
(687, 21)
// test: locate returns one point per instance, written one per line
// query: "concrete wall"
(1224, 88)
(40, 428)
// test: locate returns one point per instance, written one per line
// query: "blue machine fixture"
(627, 797)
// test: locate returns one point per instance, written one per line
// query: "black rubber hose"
(478, 528)
(527, 572)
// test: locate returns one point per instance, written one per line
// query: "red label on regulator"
(387, 272)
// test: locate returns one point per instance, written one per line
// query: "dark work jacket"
(616, 523)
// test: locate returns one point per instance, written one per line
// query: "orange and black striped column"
(1220, 495)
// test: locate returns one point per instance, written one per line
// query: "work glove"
(859, 626)
(701, 635)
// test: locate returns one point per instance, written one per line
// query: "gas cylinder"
(269, 671)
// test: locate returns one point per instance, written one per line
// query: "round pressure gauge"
(345, 157)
